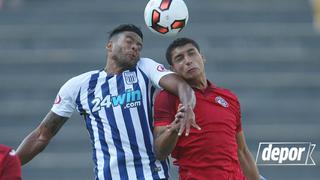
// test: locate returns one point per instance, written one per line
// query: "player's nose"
(134, 47)
(188, 60)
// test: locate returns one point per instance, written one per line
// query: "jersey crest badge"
(130, 77)
(221, 101)
(161, 68)
(157, 169)
(57, 100)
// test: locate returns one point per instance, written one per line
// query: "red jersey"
(10, 166)
(210, 153)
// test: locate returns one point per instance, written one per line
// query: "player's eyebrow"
(133, 39)
(177, 56)
(191, 49)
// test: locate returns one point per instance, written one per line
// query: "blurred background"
(266, 51)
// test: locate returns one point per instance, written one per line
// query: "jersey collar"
(210, 88)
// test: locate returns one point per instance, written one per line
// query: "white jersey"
(118, 115)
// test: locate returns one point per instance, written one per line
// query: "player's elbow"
(41, 136)
(32, 145)
(160, 155)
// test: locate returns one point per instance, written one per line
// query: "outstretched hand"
(184, 119)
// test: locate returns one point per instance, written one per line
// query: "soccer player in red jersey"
(10, 166)
(217, 152)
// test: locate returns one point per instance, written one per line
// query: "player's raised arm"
(39, 138)
(176, 85)
(165, 79)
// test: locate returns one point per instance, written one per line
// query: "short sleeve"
(64, 104)
(10, 166)
(164, 108)
(153, 70)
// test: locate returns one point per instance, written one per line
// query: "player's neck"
(112, 67)
(113, 70)
(199, 83)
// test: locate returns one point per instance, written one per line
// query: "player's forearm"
(36, 141)
(165, 143)
(186, 95)
(248, 165)
(32, 145)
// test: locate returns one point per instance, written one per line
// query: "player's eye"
(139, 46)
(178, 59)
(129, 41)
(191, 53)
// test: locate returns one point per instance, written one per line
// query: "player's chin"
(132, 63)
(132, 59)
(190, 76)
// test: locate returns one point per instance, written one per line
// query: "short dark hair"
(178, 43)
(125, 27)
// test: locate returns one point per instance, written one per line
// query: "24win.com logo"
(285, 153)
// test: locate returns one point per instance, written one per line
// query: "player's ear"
(109, 46)
(203, 58)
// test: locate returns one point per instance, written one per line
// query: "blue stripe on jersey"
(145, 128)
(88, 124)
(130, 130)
(149, 99)
(79, 105)
(106, 156)
(115, 133)
(165, 164)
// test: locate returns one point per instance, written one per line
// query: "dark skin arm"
(247, 163)
(39, 138)
(177, 86)
(166, 137)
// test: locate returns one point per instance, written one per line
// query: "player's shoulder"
(75, 83)
(82, 77)
(165, 98)
(164, 94)
(86, 75)
(145, 60)
(148, 64)
(145, 63)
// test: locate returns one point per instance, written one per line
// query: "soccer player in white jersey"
(116, 104)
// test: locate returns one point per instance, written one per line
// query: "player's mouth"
(190, 70)
(133, 55)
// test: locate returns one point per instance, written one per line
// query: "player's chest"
(215, 109)
(125, 92)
